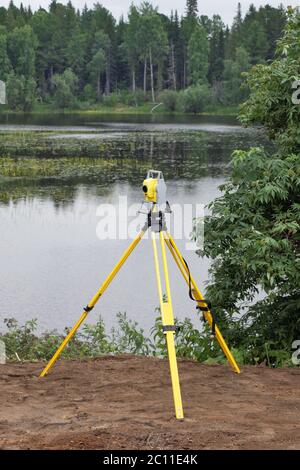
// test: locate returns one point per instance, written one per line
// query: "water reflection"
(180, 155)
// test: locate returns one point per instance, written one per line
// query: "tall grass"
(24, 344)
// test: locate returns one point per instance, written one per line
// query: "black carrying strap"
(88, 309)
(207, 307)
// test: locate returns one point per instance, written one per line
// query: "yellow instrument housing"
(150, 189)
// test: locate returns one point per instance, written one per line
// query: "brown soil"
(125, 402)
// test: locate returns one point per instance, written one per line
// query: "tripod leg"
(93, 302)
(168, 323)
(197, 294)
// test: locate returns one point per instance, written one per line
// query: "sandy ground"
(125, 402)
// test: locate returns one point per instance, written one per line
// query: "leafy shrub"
(169, 99)
(142, 97)
(129, 338)
(23, 343)
(65, 86)
(191, 343)
(253, 230)
(126, 98)
(89, 93)
(19, 339)
(195, 98)
(271, 88)
(136, 98)
(111, 100)
(20, 92)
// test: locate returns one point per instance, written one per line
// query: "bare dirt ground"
(125, 402)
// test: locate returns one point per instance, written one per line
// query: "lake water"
(51, 260)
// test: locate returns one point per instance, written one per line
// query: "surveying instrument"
(154, 188)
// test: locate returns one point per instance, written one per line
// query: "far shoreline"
(145, 110)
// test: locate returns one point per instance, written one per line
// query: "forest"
(67, 58)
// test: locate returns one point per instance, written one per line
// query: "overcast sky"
(225, 8)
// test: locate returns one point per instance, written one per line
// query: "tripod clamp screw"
(167, 328)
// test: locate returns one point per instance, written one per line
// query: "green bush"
(127, 98)
(20, 92)
(111, 100)
(129, 338)
(136, 98)
(191, 343)
(253, 230)
(169, 99)
(195, 98)
(22, 342)
(89, 94)
(65, 86)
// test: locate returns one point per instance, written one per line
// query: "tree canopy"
(148, 51)
(253, 232)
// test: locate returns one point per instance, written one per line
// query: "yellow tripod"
(158, 231)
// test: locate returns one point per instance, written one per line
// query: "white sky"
(225, 8)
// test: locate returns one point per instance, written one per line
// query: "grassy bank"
(22, 343)
(143, 109)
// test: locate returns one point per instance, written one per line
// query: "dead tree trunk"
(107, 82)
(173, 66)
(133, 81)
(152, 76)
(184, 68)
(98, 86)
(145, 76)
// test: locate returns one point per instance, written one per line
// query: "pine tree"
(198, 57)
(256, 43)
(131, 44)
(22, 44)
(233, 94)
(172, 59)
(235, 37)
(273, 20)
(239, 17)
(5, 65)
(192, 8)
(216, 50)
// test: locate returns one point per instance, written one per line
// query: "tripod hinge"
(157, 222)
